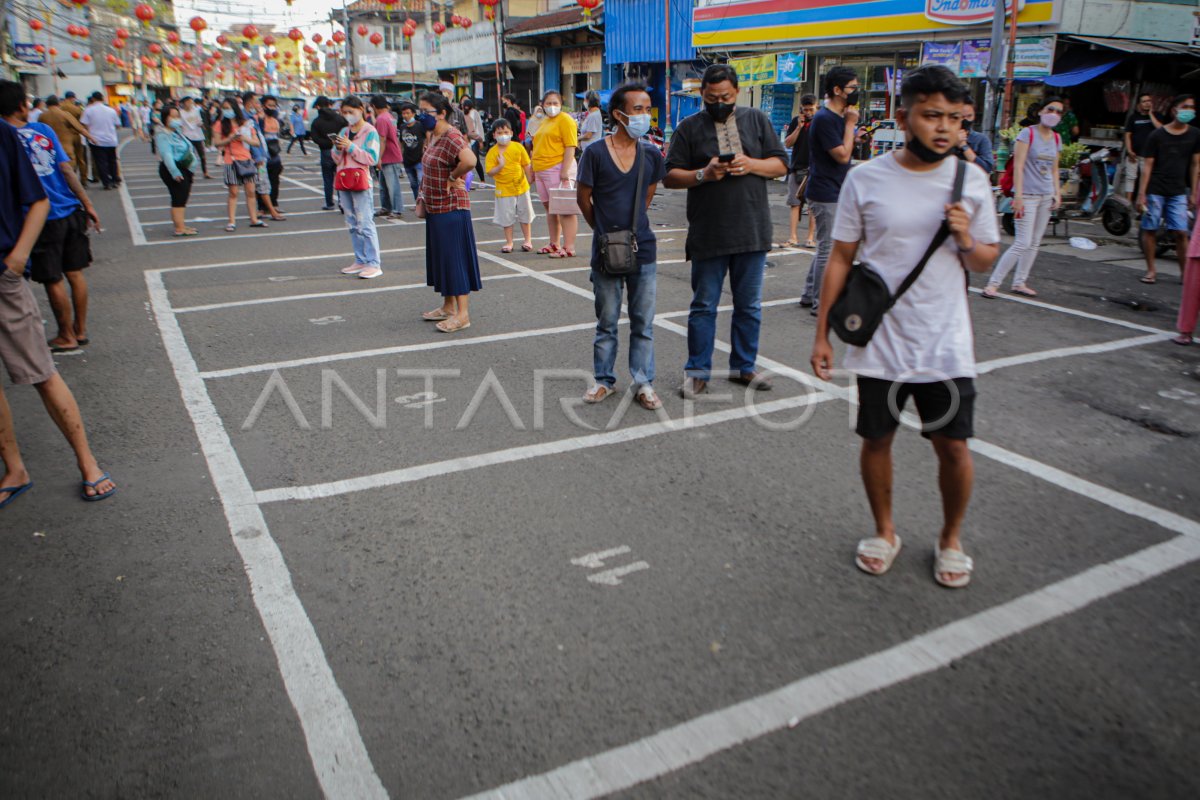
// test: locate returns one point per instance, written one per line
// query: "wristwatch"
(699, 176)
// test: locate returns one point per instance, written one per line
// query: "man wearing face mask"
(831, 144)
(1172, 162)
(974, 146)
(890, 210)
(608, 196)
(412, 141)
(724, 158)
(271, 132)
(323, 129)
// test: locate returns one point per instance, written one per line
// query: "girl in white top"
(1036, 192)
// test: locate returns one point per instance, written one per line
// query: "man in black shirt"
(412, 142)
(515, 117)
(1142, 123)
(1172, 166)
(797, 139)
(327, 124)
(724, 158)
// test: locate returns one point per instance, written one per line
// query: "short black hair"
(837, 78)
(928, 80)
(322, 102)
(439, 102)
(969, 101)
(352, 101)
(718, 73)
(12, 97)
(96, 96)
(1048, 100)
(501, 123)
(617, 101)
(467, 103)
(1179, 98)
(408, 106)
(808, 100)
(378, 101)
(247, 97)
(510, 97)
(166, 112)
(267, 97)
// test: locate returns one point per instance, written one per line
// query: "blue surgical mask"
(176, 124)
(1185, 115)
(227, 113)
(637, 125)
(428, 121)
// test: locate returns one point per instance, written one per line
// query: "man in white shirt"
(592, 129)
(102, 120)
(193, 129)
(924, 347)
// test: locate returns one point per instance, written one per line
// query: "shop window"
(393, 38)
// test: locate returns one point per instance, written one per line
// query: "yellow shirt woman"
(555, 135)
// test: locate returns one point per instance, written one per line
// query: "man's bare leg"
(15, 473)
(79, 300)
(1149, 244)
(875, 463)
(61, 405)
(60, 304)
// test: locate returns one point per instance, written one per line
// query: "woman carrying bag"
(554, 147)
(177, 157)
(451, 262)
(232, 136)
(355, 151)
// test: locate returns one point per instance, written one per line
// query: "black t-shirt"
(1141, 126)
(825, 174)
(1172, 156)
(412, 141)
(800, 149)
(513, 115)
(732, 215)
(613, 192)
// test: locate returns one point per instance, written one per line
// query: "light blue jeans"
(390, 180)
(642, 287)
(360, 209)
(745, 272)
(823, 214)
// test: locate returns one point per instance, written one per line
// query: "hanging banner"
(1034, 57)
(976, 53)
(948, 54)
(28, 53)
(789, 67)
(757, 71)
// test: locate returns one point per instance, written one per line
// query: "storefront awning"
(1080, 75)
(1138, 46)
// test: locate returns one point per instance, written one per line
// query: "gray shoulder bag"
(618, 249)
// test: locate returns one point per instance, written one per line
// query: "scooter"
(1103, 201)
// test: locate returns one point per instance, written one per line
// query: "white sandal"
(952, 562)
(599, 393)
(876, 548)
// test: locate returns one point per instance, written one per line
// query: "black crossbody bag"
(859, 309)
(619, 249)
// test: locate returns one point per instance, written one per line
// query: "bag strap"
(638, 198)
(940, 237)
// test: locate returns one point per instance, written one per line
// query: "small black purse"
(619, 249)
(859, 309)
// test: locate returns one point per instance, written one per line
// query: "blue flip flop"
(94, 497)
(14, 492)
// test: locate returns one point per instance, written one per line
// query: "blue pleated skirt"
(451, 263)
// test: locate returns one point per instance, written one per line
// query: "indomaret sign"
(966, 12)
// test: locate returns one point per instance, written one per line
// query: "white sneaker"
(353, 269)
(370, 272)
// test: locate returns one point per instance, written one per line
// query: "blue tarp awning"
(1080, 75)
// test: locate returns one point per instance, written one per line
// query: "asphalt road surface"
(328, 574)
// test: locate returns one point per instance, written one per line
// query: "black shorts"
(179, 190)
(946, 408)
(63, 247)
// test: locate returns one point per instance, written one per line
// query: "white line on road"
(1062, 352)
(340, 759)
(612, 577)
(1074, 312)
(136, 234)
(596, 560)
(539, 450)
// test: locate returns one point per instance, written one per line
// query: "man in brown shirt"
(80, 154)
(69, 130)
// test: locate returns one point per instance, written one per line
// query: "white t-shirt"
(895, 213)
(593, 123)
(101, 121)
(193, 125)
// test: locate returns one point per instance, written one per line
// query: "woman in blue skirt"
(451, 264)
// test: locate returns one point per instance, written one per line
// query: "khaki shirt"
(65, 126)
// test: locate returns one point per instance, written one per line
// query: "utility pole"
(995, 62)
(1012, 65)
(666, 126)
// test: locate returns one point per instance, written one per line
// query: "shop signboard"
(28, 53)
(377, 65)
(789, 67)
(757, 71)
(720, 23)
(976, 53)
(1034, 57)
(948, 54)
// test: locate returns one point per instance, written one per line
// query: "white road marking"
(315, 189)
(513, 454)
(289, 214)
(327, 320)
(340, 759)
(612, 577)
(136, 234)
(596, 560)
(1025, 301)
(1062, 352)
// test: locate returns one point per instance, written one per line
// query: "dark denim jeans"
(328, 170)
(745, 272)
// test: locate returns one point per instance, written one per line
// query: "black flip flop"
(56, 349)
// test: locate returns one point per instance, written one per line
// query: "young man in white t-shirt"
(888, 213)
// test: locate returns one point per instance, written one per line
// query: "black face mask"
(924, 152)
(272, 112)
(719, 111)
(853, 98)
(967, 123)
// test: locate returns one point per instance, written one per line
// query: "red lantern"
(172, 37)
(53, 51)
(376, 38)
(84, 32)
(145, 13)
(87, 58)
(268, 40)
(70, 30)
(155, 48)
(80, 3)
(489, 3)
(339, 37)
(187, 56)
(250, 32)
(41, 48)
(295, 34)
(317, 38)
(110, 58)
(36, 24)
(466, 24)
(309, 50)
(439, 28)
(197, 24)
(361, 30)
(75, 54)
(177, 62)
(117, 43)
(409, 30)
(122, 33)
(243, 56)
